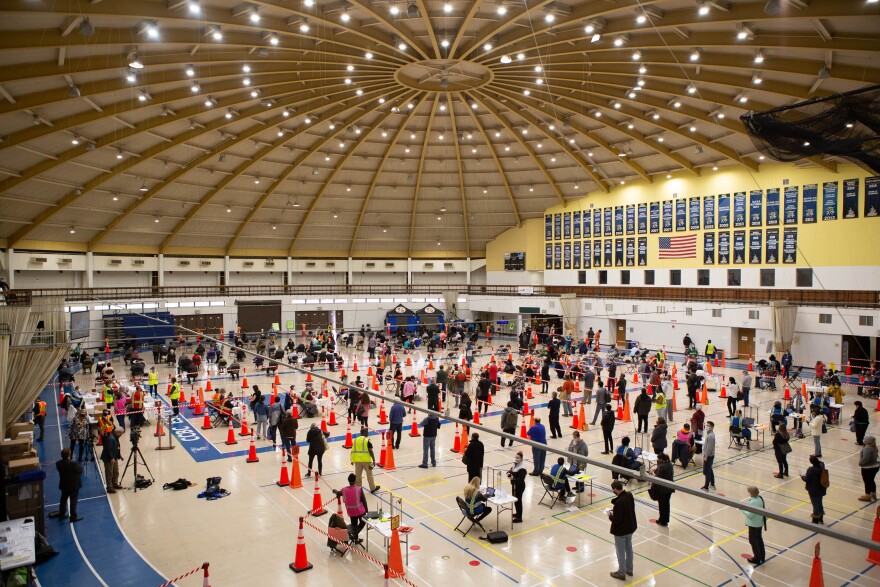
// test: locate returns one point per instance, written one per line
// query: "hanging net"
(844, 125)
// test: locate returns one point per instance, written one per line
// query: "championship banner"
(756, 207)
(630, 252)
(588, 254)
(668, 221)
(724, 211)
(597, 223)
(773, 207)
(566, 225)
(548, 227)
(576, 224)
(630, 220)
(709, 212)
(618, 220)
(811, 196)
(680, 215)
(789, 246)
(608, 228)
(694, 213)
(739, 209)
(755, 246)
(548, 257)
(643, 219)
(708, 248)
(654, 218)
(790, 205)
(829, 200)
(724, 248)
(557, 256)
(643, 251)
(576, 255)
(609, 252)
(597, 254)
(739, 247)
(771, 246)
(566, 256)
(872, 196)
(618, 252)
(557, 227)
(850, 198)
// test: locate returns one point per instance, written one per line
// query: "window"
(675, 277)
(716, 313)
(661, 309)
(702, 277)
(603, 277)
(202, 304)
(624, 278)
(167, 305)
(635, 310)
(187, 304)
(649, 277)
(824, 318)
(215, 303)
(734, 277)
(609, 307)
(688, 311)
(768, 277)
(805, 277)
(317, 301)
(582, 277)
(866, 321)
(754, 314)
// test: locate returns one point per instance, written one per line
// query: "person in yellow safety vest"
(355, 501)
(136, 418)
(109, 396)
(559, 474)
(475, 500)
(660, 403)
(39, 415)
(710, 351)
(153, 382)
(105, 423)
(363, 459)
(175, 395)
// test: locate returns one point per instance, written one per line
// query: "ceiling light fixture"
(143, 187)
(636, 55)
(368, 55)
(195, 88)
(504, 58)
(620, 40)
(695, 55)
(134, 61)
(526, 92)
(702, 8)
(501, 9)
(447, 7)
(194, 7)
(691, 89)
(759, 56)
(345, 16)
(85, 28)
(150, 28)
(217, 33)
(757, 79)
(210, 102)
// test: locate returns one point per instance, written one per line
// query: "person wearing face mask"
(517, 476)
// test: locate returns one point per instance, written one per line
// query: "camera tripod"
(136, 457)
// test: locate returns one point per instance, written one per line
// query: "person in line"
(545, 376)
(756, 524)
(658, 436)
(869, 465)
(430, 425)
(565, 393)
(608, 420)
(433, 393)
(509, 419)
(861, 420)
(355, 501)
(663, 494)
(578, 466)
(363, 459)
(442, 377)
(710, 351)
(668, 390)
(287, 426)
(395, 422)
(39, 416)
(815, 489)
(709, 456)
(261, 415)
(315, 438)
(475, 500)
(363, 409)
(623, 526)
(464, 408)
(553, 407)
(517, 475)
(601, 401)
(111, 455)
(274, 417)
(746, 386)
(733, 396)
(660, 401)
(559, 479)
(69, 482)
(781, 448)
(473, 457)
(817, 428)
(642, 409)
(538, 433)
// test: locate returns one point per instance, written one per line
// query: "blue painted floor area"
(103, 544)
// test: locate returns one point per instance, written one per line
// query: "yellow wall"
(849, 242)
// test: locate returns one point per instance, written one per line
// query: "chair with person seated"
(737, 440)
(550, 491)
(462, 506)
(620, 461)
(682, 452)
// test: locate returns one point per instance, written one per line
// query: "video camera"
(135, 435)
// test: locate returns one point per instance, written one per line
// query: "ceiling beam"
(429, 26)
(457, 146)
(422, 154)
(474, 7)
(503, 23)
(367, 7)
(501, 172)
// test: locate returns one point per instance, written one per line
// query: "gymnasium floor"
(250, 536)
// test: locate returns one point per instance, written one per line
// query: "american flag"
(678, 247)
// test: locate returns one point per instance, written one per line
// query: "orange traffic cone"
(61, 397)
(529, 393)
(575, 421)
(709, 367)
(383, 417)
(723, 361)
(317, 505)
(168, 391)
(477, 415)
(332, 421)
(389, 456)
(230, 438)
(354, 367)
(635, 377)
(751, 365)
(301, 562)
(409, 361)
(787, 396)
(627, 417)
(324, 422)
(848, 368)
(874, 555)
(537, 379)
(370, 371)
(395, 561)
(295, 411)
(414, 431)
(816, 577)
(252, 453)
(277, 379)
(182, 396)
(525, 410)
(244, 425)
(349, 441)
(675, 383)
(198, 410)
(674, 402)
(620, 412)
(464, 439)
(284, 479)
(424, 378)
(160, 430)
(244, 383)
(522, 429)
(716, 360)
(705, 399)
(208, 386)
(723, 394)
(431, 364)
(456, 445)
(206, 424)
(583, 419)
(309, 377)
(295, 478)
(382, 453)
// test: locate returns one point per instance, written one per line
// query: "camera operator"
(111, 455)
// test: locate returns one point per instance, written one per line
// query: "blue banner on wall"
(771, 246)
(588, 254)
(773, 207)
(597, 254)
(643, 251)
(566, 256)
(576, 255)
(654, 225)
(709, 212)
(668, 220)
(756, 207)
(755, 246)
(872, 196)
(724, 211)
(829, 200)
(790, 205)
(597, 222)
(811, 196)
(680, 215)
(557, 227)
(642, 219)
(694, 213)
(548, 227)
(850, 198)
(630, 220)
(587, 231)
(608, 229)
(708, 248)
(789, 246)
(548, 257)
(630, 252)
(618, 252)
(723, 248)
(739, 247)
(618, 220)
(576, 224)
(557, 256)
(739, 209)
(609, 252)
(566, 225)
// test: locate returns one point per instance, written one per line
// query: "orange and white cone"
(284, 479)
(301, 562)
(252, 453)
(414, 431)
(207, 580)
(317, 506)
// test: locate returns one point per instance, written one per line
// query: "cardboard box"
(25, 435)
(10, 449)
(19, 427)
(19, 466)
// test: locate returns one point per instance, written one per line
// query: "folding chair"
(554, 494)
(737, 440)
(466, 516)
(341, 539)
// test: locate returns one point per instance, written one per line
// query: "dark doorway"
(856, 350)
(258, 315)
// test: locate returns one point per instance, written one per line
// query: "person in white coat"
(817, 427)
